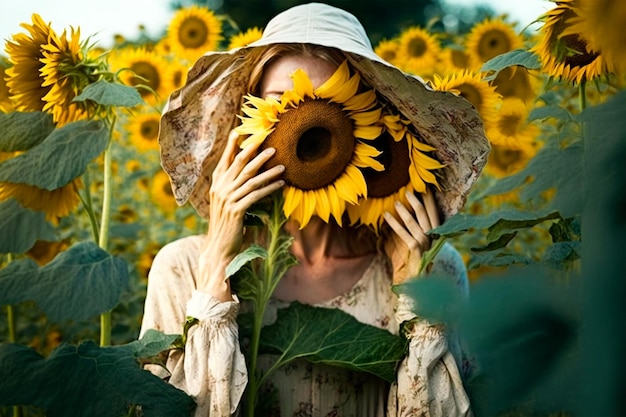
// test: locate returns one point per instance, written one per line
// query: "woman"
(339, 266)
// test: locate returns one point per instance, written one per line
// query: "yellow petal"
(302, 84)
(337, 205)
(366, 117)
(291, 200)
(308, 207)
(361, 101)
(358, 181)
(368, 132)
(416, 180)
(328, 89)
(425, 161)
(323, 205)
(347, 90)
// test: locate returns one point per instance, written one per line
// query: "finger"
(257, 195)
(252, 167)
(229, 152)
(416, 231)
(420, 211)
(431, 208)
(257, 182)
(402, 233)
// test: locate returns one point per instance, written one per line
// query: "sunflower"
(245, 38)
(146, 70)
(5, 101)
(25, 54)
(453, 59)
(387, 49)
(66, 72)
(601, 24)
(319, 141)
(418, 51)
(564, 54)
(512, 128)
(473, 88)
(506, 160)
(144, 131)
(54, 203)
(161, 193)
(515, 82)
(193, 31)
(407, 170)
(489, 39)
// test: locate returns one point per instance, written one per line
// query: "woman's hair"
(273, 52)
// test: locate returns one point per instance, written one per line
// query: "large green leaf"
(86, 380)
(21, 227)
(552, 111)
(252, 252)
(333, 337)
(111, 94)
(78, 284)
(520, 57)
(555, 168)
(151, 343)
(22, 131)
(61, 157)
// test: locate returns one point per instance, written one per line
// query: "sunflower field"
(85, 206)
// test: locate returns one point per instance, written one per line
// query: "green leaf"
(22, 131)
(78, 284)
(520, 57)
(560, 254)
(555, 168)
(498, 243)
(513, 220)
(22, 227)
(333, 337)
(498, 259)
(254, 251)
(151, 343)
(111, 94)
(61, 157)
(547, 112)
(86, 380)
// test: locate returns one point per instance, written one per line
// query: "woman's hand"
(409, 240)
(236, 185)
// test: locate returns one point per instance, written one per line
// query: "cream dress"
(213, 371)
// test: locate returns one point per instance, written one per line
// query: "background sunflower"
(489, 39)
(193, 31)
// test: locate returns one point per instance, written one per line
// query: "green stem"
(88, 206)
(12, 323)
(103, 241)
(582, 95)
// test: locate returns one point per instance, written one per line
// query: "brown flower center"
(471, 94)
(315, 142)
(149, 129)
(417, 47)
(149, 76)
(193, 33)
(395, 158)
(493, 43)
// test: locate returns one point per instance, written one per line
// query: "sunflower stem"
(87, 203)
(582, 95)
(103, 241)
(12, 324)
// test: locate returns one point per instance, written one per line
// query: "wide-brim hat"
(198, 118)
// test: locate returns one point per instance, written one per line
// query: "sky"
(104, 18)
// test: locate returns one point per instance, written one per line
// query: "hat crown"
(319, 24)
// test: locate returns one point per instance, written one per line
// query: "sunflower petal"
(308, 207)
(329, 88)
(302, 84)
(368, 132)
(323, 204)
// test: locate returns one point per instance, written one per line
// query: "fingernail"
(270, 151)
(281, 168)
(281, 182)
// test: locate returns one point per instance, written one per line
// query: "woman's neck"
(320, 240)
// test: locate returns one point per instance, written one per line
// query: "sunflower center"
(417, 47)
(578, 55)
(314, 141)
(493, 43)
(193, 33)
(505, 157)
(509, 124)
(147, 74)
(149, 129)
(471, 94)
(395, 158)
(388, 55)
(459, 58)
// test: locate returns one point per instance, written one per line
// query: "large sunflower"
(144, 131)
(407, 170)
(489, 39)
(25, 54)
(418, 51)
(66, 72)
(473, 88)
(601, 24)
(193, 31)
(245, 38)
(318, 136)
(511, 127)
(564, 54)
(146, 69)
(54, 203)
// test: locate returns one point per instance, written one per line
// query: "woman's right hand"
(236, 185)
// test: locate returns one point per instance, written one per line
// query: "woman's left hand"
(409, 240)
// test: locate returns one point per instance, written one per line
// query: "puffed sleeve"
(212, 368)
(429, 383)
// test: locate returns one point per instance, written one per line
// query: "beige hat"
(197, 119)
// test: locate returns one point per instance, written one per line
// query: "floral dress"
(213, 371)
